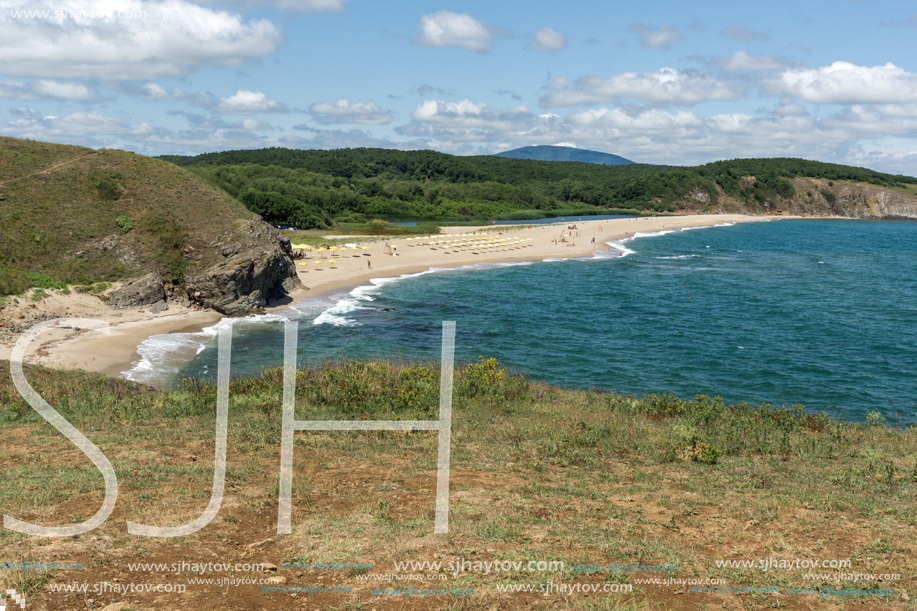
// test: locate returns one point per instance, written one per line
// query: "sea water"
(817, 312)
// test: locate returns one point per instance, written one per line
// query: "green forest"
(321, 188)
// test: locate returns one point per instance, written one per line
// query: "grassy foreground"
(589, 479)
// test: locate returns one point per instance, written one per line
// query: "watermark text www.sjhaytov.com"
(58, 15)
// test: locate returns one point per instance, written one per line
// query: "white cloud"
(741, 61)
(467, 114)
(549, 39)
(44, 89)
(152, 91)
(165, 38)
(662, 37)
(345, 111)
(248, 103)
(680, 137)
(252, 125)
(447, 29)
(665, 86)
(446, 123)
(65, 91)
(32, 124)
(312, 6)
(845, 83)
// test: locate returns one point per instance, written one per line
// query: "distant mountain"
(564, 153)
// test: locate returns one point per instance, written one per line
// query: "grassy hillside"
(586, 478)
(74, 215)
(318, 188)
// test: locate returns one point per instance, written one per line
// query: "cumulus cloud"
(468, 121)
(245, 102)
(33, 124)
(345, 111)
(742, 61)
(44, 89)
(662, 136)
(845, 83)
(470, 114)
(448, 29)
(149, 40)
(156, 92)
(312, 6)
(740, 33)
(662, 37)
(665, 86)
(549, 39)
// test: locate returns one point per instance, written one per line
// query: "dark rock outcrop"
(143, 292)
(257, 267)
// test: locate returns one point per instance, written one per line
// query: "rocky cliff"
(816, 197)
(256, 267)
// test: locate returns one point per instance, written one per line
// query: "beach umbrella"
(303, 263)
(317, 262)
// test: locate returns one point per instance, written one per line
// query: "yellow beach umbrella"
(317, 262)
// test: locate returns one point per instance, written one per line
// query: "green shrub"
(126, 223)
(483, 377)
(706, 453)
(93, 289)
(42, 281)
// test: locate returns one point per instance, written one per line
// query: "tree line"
(318, 188)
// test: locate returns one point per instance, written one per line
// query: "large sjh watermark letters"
(443, 425)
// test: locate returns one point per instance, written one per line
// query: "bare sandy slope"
(115, 352)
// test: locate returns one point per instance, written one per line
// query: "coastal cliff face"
(256, 266)
(816, 197)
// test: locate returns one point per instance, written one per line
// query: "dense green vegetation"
(316, 188)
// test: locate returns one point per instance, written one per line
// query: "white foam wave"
(620, 246)
(342, 304)
(162, 356)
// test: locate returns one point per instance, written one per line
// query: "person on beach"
(369, 264)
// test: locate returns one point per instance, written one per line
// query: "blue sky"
(657, 82)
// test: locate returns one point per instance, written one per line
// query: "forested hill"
(318, 187)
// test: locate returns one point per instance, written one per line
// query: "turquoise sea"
(817, 312)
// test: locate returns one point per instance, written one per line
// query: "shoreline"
(116, 353)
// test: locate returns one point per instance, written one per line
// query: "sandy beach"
(320, 272)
